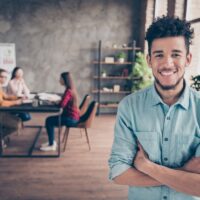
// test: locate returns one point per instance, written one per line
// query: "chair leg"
(63, 139)
(86, 134)
(20, 128)
(66, 137)
(81, 132)
(18, 132)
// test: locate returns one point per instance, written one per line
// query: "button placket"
(165, 145)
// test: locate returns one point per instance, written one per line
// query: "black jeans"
(53, 121)
(24, 116)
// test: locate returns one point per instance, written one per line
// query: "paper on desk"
(24, 101)
(49, 97)
(31, 96)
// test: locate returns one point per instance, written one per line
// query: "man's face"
(168, 61)
(3, 77)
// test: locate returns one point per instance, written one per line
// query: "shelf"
(115, 72)
(113, 105)
(104, 92)
(114, 63)
(118, 78)
(113, 77)
(123, 48)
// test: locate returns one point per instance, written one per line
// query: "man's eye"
(158, 55)
(176, 55)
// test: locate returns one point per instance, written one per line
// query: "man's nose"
(168, 61)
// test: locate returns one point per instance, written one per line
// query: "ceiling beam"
(171, 8)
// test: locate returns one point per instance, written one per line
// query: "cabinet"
(111, 76)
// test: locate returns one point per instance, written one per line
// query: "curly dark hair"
(166, 26)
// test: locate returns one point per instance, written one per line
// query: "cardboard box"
(109, 60)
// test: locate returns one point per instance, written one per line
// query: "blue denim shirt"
(169, 135)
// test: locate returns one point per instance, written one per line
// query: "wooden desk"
(31, 109)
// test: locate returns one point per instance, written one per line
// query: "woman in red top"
(70, 115)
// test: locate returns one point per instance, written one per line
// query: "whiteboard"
(7, 56)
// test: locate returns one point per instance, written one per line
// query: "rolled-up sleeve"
(197, 152)
(124, 145)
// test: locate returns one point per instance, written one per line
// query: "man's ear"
(148, 58)
(188, 59)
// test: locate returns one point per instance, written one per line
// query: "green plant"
(196, 82)
(121, 55)
(141, 75)
(103, 71)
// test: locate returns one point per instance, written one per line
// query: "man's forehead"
(4, 73)
(169, 44)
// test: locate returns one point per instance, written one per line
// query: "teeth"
(165, 73)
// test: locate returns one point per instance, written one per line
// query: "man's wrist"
(149, 167)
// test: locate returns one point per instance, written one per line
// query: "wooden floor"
(77, 175)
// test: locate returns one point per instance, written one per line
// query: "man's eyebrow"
(157, 51)
(161, 51)
(177, 51)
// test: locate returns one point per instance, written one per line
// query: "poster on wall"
(7, 56)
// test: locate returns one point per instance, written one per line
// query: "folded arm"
(123, 151)
(186, 179)
(133, 177)
(9, 97)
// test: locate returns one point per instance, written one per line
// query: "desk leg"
(1, 134)
(35, 141)
(59, 133)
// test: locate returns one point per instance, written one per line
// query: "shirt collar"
(183, 100)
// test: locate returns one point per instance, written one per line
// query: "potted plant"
(121, 56)
(103, 73)
(196, 82)
(141, 75)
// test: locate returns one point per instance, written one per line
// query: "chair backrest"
(84, 104)
(87, 119)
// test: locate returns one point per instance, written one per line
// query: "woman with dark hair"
(70, 115)
(17, 85)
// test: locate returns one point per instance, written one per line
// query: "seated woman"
(18, 87)
(70, 115)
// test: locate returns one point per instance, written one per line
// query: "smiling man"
(156, 148)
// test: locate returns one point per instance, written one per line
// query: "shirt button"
(165, 159)
(165, 139)
(168, 118)
(164, 197)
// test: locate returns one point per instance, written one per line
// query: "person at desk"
(70, 115)
(8, 122)
(18, 87)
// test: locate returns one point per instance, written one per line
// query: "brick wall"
(179, 8)
(192, 13)
(149, 18)
(161, 8)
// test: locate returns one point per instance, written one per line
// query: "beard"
(169, 87)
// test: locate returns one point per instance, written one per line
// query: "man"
(8, 123)
(156, 145)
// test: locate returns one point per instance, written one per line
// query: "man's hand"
(18, 101)
(193, 165)
(141, 160)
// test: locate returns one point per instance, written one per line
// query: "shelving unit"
(103, 91)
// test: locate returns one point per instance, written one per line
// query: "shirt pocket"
(151, 145)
